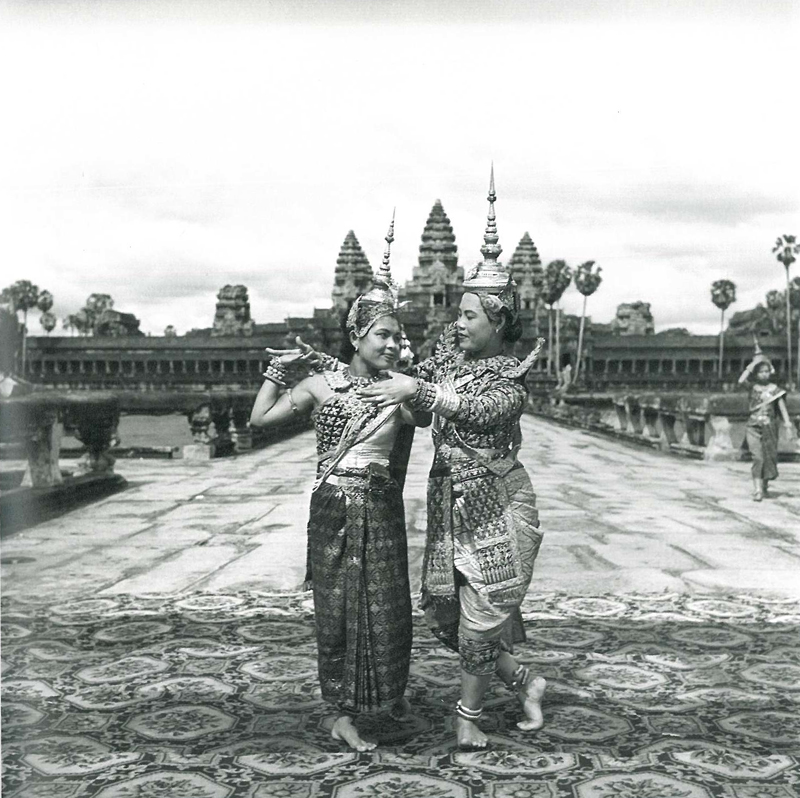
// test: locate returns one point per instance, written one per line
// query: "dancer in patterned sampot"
(356, 530)
(766, 401)
(482, 534)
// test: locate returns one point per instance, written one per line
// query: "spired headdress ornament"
(490, 279)
(759, 357)
(380, 300)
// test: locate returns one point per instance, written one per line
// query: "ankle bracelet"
(519, 678)
(467, 713)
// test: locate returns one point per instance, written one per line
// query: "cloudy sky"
(157, 151)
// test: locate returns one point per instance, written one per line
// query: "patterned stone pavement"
(615, 519)
(153, 644)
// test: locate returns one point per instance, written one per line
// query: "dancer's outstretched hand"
(394, 390)
(303, 355)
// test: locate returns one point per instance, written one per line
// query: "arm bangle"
(276, 372)
(425, 396)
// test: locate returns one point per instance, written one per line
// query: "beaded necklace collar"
(361, 382)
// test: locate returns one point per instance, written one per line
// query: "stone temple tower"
(526, 269)
(435, 287)
(353, 275)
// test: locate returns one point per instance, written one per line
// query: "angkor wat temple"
(624, 352)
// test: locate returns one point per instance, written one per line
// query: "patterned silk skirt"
(362, 602)
(762, 440)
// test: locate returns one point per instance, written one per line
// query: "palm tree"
(723, 295)
(48, 321)
(557, 276)
(22, 295)
(785, 249)
(587, 281)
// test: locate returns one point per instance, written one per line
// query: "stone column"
(96, 428)
(720, 444)
(241, 434)
(203, 447)
(221, 417)
(42, 443)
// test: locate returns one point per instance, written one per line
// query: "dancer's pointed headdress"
(759, 357)
(380, 300)
(490, 279)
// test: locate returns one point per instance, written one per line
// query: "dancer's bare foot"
(344, 729)
(469, 736)
(531, 697)
(401, 709)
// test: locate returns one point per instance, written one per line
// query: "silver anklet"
(519, 678)
(473, 715)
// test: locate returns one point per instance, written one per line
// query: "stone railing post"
(96, 428)
(203, 447)
(241, 434)
(221, 416)
(42, 445)
(621, 407)
(720, 445)
(634, 414)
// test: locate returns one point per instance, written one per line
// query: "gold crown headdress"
(490, 279)
(380, 300)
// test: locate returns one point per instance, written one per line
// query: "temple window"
(694, 366)
(708, 367)
(62, 367)
(216, 366)
(127, 367)
(152, 366)
(49, 367)
(652, 366)
(641, 366)
(113, 367)
(438, 300)
(599, 366)
(680, 367)
(667, 366)
(138, 367)
(229, 364)
(177, 366)
(203, 366)
(627, 366)
(100, 366)
(255, 366)
(74, 366)
(613, 366)
(163, 366)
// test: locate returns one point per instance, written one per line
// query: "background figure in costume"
(357, 537)
(483, 535)
(766, 400)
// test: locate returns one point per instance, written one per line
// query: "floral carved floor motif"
(211, 696)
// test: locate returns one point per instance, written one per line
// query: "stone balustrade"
(38, 420)
(705, 426)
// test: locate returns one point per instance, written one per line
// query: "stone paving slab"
(615, 518)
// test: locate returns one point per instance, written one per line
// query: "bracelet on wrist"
(276, 372)
(425, 396)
